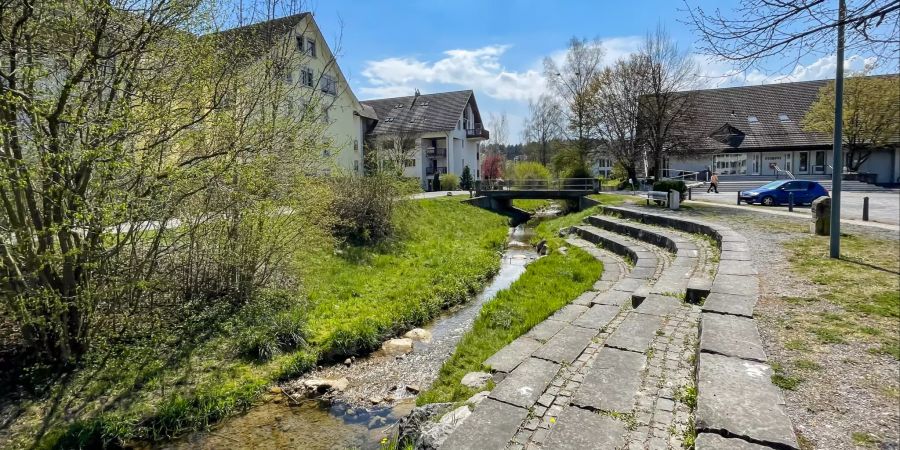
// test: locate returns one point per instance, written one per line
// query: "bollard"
(791, 201)
(739, 197)
(865, 209)
(689, 193)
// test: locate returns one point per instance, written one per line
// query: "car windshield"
(772, 185)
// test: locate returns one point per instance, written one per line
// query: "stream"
(381, 391)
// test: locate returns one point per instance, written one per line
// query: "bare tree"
(757, 29)
(393, 150)
(544, 125)
(617, 111)
(663, 109)
(499, 128)
(573, 85)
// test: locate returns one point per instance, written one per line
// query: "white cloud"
(720, 74)
(478, 69)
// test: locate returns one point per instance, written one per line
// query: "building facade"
(428, 134)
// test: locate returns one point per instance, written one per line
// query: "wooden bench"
(657, 196)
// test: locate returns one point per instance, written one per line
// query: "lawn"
(548, 284)
(352, 299)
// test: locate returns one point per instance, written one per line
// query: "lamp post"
(837, 156)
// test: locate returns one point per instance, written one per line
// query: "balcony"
(477, 132)
(438, 152)
(429, 171)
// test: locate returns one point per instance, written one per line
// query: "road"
(884, 207)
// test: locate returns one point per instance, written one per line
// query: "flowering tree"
(492, 167)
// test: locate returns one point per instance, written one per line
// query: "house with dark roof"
(441, 133)
(317, 82)
(757, 131)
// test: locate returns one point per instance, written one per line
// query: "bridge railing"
(556, 184)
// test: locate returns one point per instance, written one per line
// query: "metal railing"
(786, 172)
(558, 184)
(433, 152)
(477, 131)
(432, 170)
(683, 175)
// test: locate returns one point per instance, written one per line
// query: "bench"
(657, 196)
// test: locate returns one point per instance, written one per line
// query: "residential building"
(428, 134)
(757, 131)
(318, 85)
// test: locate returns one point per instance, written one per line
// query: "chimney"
(415, 97)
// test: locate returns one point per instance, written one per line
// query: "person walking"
(713, 183)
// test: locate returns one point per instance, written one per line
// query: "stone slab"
(735, 246)
(741, 305)
(509, 357)
(643, 273)
(732, 267)
(736, 284)
(585, 298)
(579, 429)
(526, 383)
(670, 285)
(545, 330)
(567, 345)
(614, 298)
(569, 313)
(646, 261)
(629, 284)
(737, 397)
(612, 382)
(731, 336)
(635, 332)
(658, 305)
(611, 272)
(602, 286)
(710, 441)
(491, 426)
(697, 289)
(735, 256)
(597, 317)
(682, 261)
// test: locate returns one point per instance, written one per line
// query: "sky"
(389, 48)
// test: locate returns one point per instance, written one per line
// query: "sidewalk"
(798, 215)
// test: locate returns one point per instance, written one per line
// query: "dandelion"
(553, 420)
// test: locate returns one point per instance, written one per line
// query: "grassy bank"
(548, 284)
(352, 299)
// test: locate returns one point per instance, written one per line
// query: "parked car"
(777, 192)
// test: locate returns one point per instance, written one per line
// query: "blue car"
(777, 192)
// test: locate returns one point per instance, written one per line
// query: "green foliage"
(528, 171)
(548, 284)
(364, 207)
(271, 325)
(667, 185)
(436, 182)
(450, 182)
(467, 182)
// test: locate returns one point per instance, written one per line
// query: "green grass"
(531, 205)
(351, 301)
(548, 284)
(784, 380)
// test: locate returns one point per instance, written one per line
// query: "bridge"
(498, 194)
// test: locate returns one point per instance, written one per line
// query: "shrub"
(529, 171)
(363, 207)
(467, 182)
(667, 185)
(450, 182)
(272, 324)
(436, 183)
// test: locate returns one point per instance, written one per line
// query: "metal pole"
(837, 157)
(791, 201)
(866, 209)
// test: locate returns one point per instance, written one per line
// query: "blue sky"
(389, 48)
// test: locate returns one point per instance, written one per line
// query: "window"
(356, 165)
(325, 115)
(355, 145)
(300, 44)
(409, 163)
(289, 77)
(311, 48)
(306, 75)
(329, 85)
(783, 118)
(752, 119)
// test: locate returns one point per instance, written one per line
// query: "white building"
(443, 132)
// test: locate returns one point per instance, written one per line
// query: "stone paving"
(625, 363)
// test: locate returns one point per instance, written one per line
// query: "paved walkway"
(628, 364)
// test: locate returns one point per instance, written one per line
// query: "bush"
(363, 207)
(667, 185)
(529, 171)
(450, 182)
(272, 324)
(467, 182)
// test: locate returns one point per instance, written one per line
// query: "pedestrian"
(713, 183)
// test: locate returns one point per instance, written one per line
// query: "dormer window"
(783, 118)
(752, 119)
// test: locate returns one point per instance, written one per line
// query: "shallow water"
(350, 420)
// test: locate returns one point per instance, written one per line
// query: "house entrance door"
(819, 166)
(803, 163)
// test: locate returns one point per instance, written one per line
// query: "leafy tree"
(529, 171)
(492, 167)
(466, 182)
(871, 119)
(544, 125)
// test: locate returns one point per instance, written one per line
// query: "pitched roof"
(748, 118)
(421, 114)
(264, 33)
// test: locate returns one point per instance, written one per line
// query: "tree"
(870, 116)
(466, 182)
(573, 84)
(758, 29)
(392, 151)
(663, 110)
(492, 167)
(619, 93)
(543, 126)
(436, 182)
(499, 129)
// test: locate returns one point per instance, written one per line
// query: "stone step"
(617, 244)
(566, 345)
(612, 382)
(597, 317)
(545, 330)
(491, 426)
(737, 397)
(509, 357)
(526, 383)
(731, 336)
(710, 441)
(580, 429)
(635, 333)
